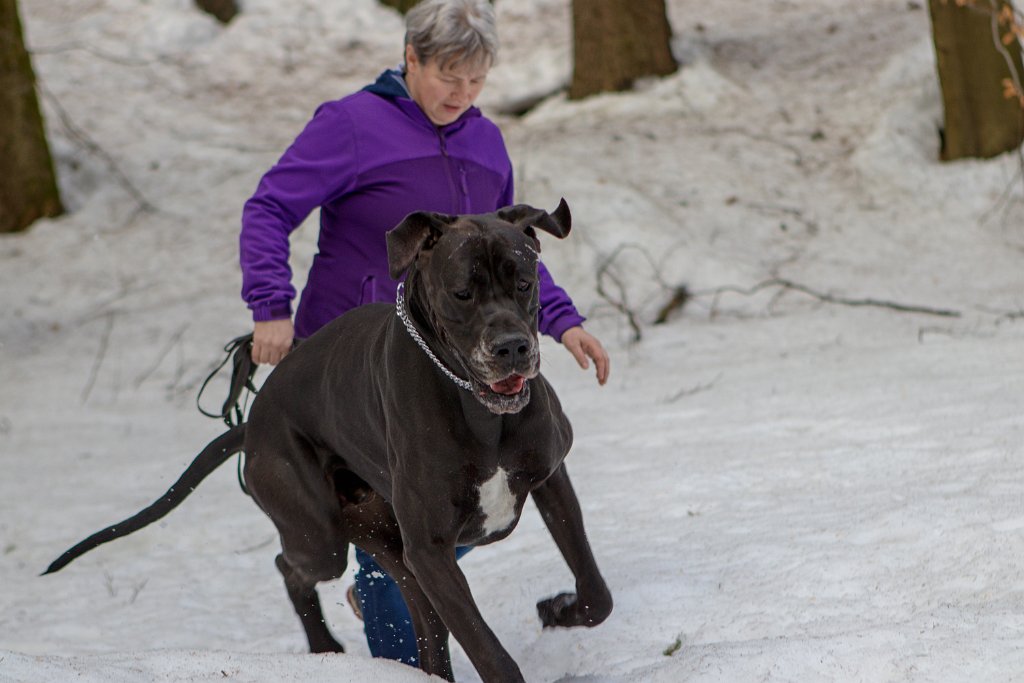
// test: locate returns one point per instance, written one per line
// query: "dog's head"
(474, 278)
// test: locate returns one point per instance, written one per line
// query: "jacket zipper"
(459, 205)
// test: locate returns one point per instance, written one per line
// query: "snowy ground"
(775, 487)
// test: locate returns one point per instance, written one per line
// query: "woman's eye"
(463, 295)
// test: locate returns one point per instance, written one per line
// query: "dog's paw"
(566, 610)
(326, 645)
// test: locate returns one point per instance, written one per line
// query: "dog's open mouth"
(510, 386)
(509, 395)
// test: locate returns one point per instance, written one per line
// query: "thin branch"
(786, 285)
(101, 354)
(877, 303)
(92, 147)
(168, 347)
(136, 589)
(1004, 202)
(798, 214)
(88, 49)
(690, 391)
(618, 304)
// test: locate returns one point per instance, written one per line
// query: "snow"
(775, 487)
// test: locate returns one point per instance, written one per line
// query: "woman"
(410, 141)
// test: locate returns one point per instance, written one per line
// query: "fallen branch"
(690, 391)
(787, 285)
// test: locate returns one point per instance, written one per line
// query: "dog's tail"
(211, 457)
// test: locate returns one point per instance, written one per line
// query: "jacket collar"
(391, 85)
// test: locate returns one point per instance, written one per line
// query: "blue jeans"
(386, 619)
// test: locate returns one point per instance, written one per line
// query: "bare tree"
(28, 184)
(616, 42)
(979, 62)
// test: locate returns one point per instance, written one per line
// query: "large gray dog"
(413, 429)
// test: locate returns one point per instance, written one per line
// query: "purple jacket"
(367, 161)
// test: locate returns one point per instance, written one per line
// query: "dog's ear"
(557, 223)
(417, 231)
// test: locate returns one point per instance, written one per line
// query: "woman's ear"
(412, 61)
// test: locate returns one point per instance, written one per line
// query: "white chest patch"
(497, 503)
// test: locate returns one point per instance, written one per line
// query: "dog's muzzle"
(505, 365)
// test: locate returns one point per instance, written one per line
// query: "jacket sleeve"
(318, 166)
(557, 312)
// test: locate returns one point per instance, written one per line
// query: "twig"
(1002, 315)
(136, 589)
(108, 580)
(785, 285)
(258, 546)
(690, 391)
(175, 338)
(877, 303)
(810, 225)
(78, 46)
(101, 353)
(1004, 198)
(92, 147)
(680, 295)
(619, 304)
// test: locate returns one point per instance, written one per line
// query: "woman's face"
(443, 94)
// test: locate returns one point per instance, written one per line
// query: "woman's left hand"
(584, 346)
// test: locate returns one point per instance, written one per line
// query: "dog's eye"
(524, 285)
(463, 295)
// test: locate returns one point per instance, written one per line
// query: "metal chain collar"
(403, 315)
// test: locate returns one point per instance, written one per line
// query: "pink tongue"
(512, 385)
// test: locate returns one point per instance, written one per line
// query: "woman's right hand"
(272, 340)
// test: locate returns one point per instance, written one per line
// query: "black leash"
(238, 350)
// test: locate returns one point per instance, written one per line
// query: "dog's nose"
(511, 348)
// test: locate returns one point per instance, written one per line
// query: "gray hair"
(453, 32)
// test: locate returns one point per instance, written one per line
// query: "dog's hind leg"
(302, 592)
(289, 485)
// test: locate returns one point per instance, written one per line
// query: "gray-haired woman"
(411, 141)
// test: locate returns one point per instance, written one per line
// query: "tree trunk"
(28, 185)
(402, 6)
(980, 120)
(222, 10)
(616, 42)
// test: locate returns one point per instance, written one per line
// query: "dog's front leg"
(592, 602)
(439, 576)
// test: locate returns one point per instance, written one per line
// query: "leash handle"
(239, 350)
(243, 369)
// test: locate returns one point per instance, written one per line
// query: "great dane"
(408, 430)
